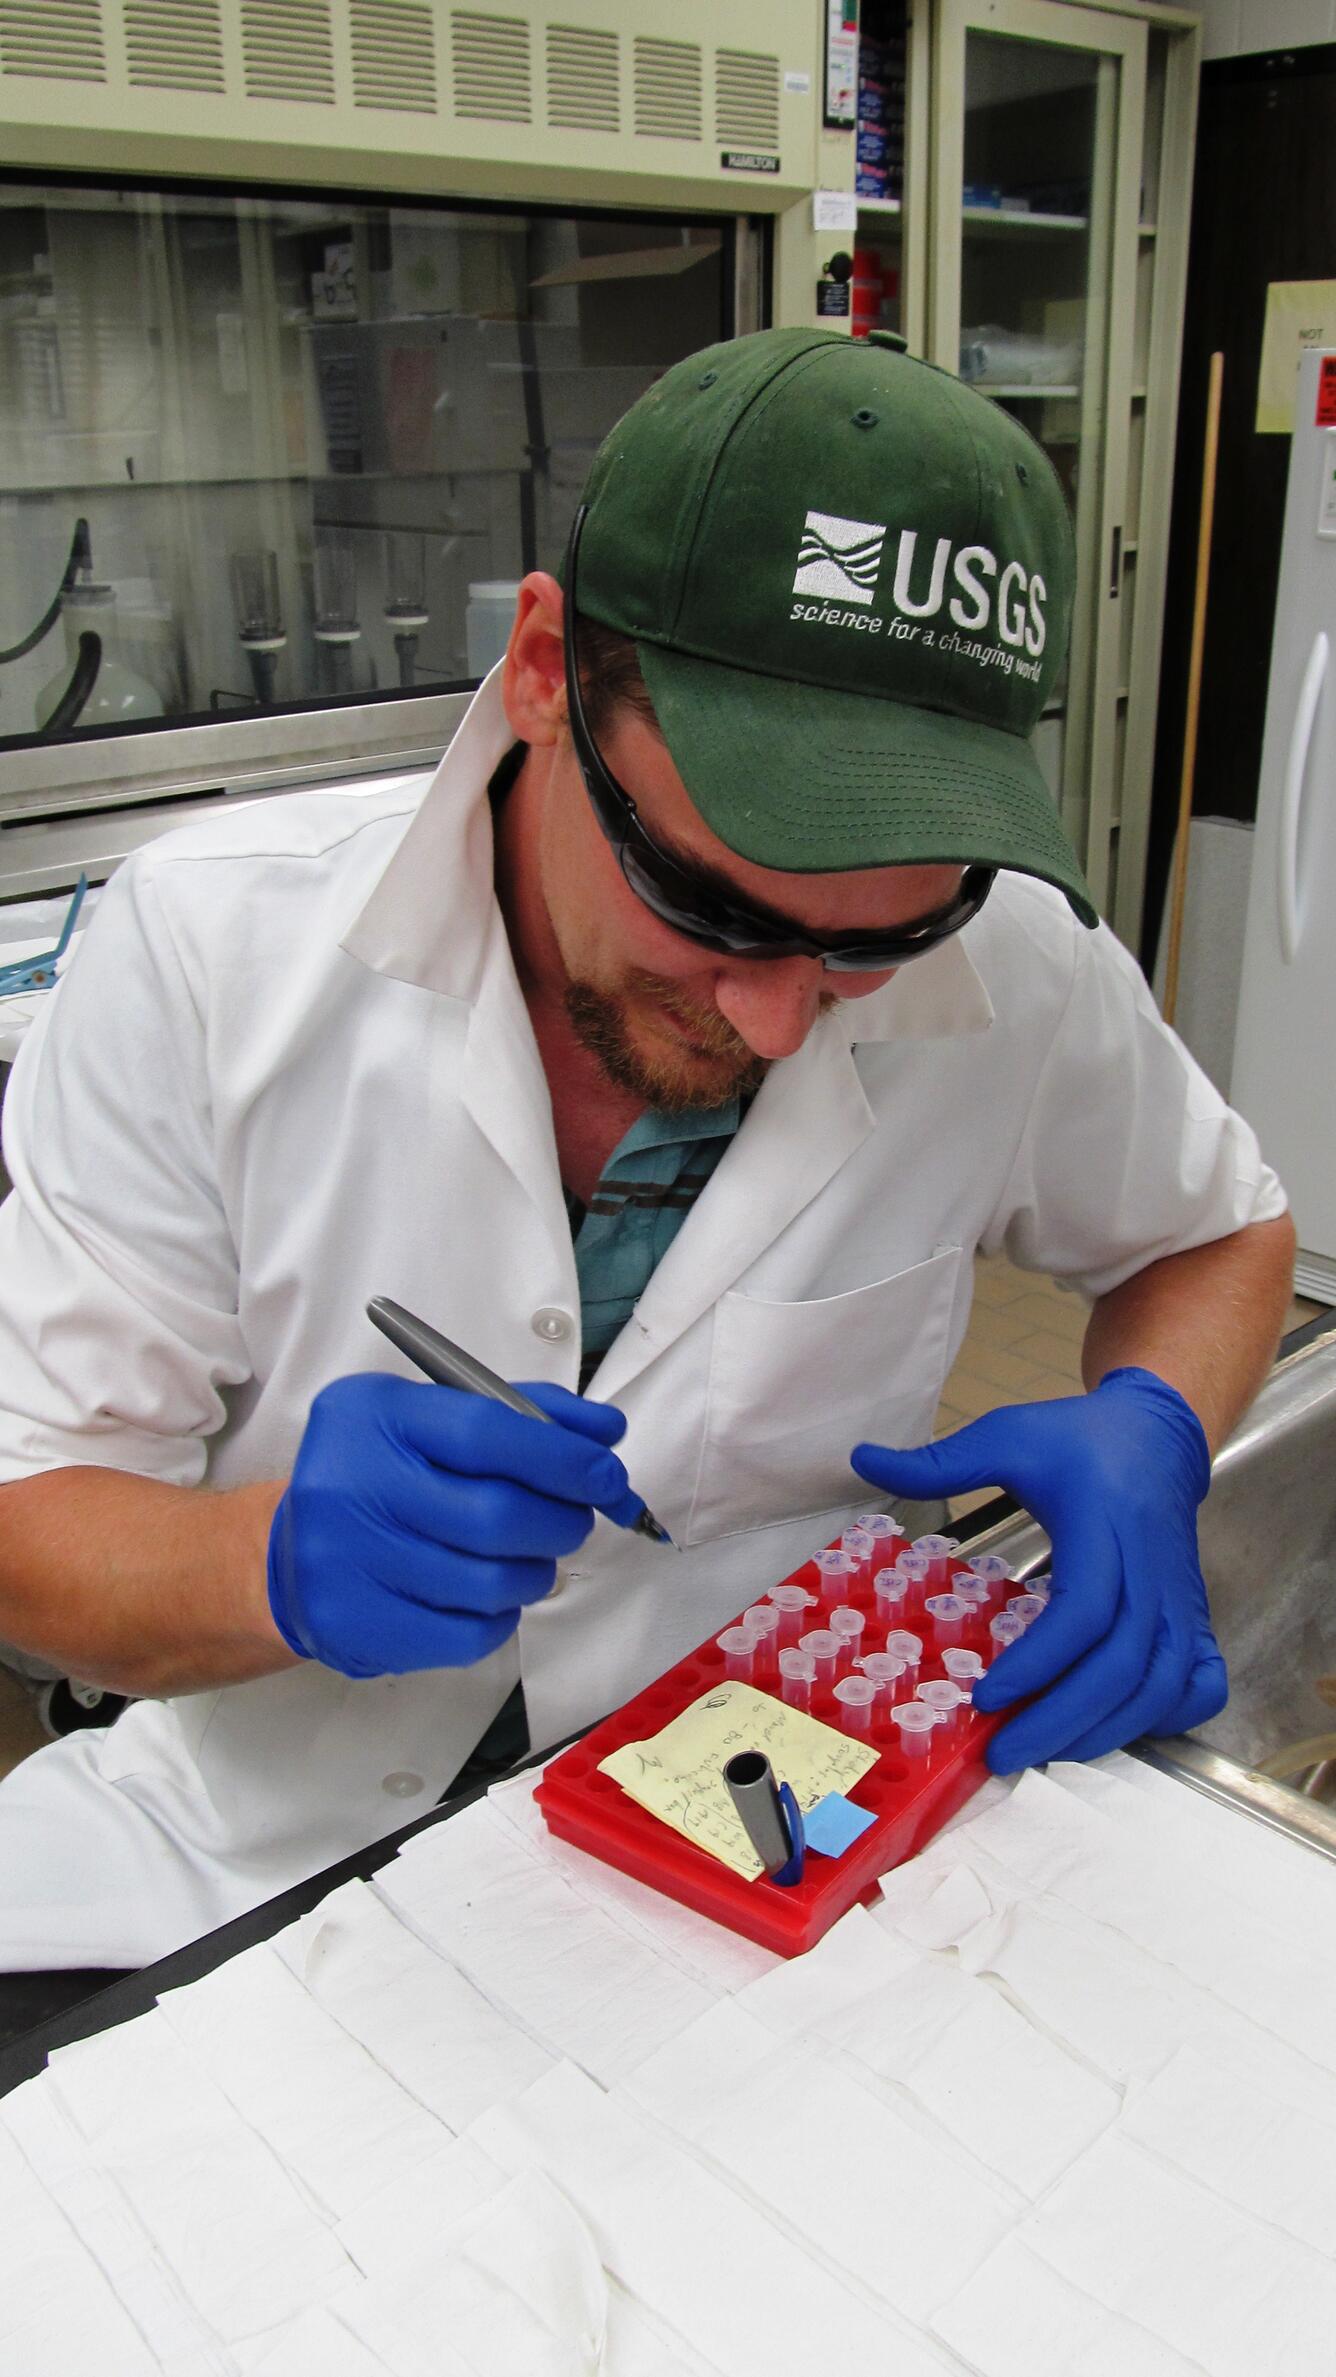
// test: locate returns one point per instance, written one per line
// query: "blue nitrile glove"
(1125, 1646)
(419, 1521)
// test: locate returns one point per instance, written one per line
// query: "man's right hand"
(419, 1521)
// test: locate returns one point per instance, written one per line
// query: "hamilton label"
(747, 161)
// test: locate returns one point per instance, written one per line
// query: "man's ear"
(533, 685)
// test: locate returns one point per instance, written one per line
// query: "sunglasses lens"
(694, 917)
(669, 894)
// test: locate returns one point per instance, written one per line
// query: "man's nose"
(771, 1003)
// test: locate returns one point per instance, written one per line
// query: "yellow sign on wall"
(1299, 315)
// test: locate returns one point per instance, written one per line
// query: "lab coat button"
(403, 1786)
(551, 1323)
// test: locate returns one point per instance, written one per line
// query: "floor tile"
(1051, 1308)
(1009, 1372)
(997, 1324)
(974, 1396)
(998, 1284)
(1047, 1350)
(1052, 1383)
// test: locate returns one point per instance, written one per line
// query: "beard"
(672, 1079)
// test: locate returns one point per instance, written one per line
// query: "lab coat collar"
(444, 866)
(431, 918)
(934, 998)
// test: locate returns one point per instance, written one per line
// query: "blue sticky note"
(834, 1824)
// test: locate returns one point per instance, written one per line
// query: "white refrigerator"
(1284, 1077)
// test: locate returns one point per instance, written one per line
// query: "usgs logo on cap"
(840, 561)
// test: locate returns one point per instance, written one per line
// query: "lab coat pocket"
(793, 1387)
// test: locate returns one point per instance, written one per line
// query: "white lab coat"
(293, 1069)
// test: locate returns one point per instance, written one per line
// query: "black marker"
(448, 1365)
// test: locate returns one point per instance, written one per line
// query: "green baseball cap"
(849, 582)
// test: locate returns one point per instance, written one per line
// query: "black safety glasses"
(683, 899)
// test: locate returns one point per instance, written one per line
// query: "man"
(674, 1046)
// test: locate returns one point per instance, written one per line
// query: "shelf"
(295, 478)
(1147, 230)
(1020, 388)
(880, 206)
(1015, 218)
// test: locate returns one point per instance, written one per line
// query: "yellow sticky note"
(679, 1774)
(1299, 314)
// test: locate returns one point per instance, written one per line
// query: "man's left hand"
(1115, 1477)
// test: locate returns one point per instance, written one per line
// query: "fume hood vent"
(746, 100)
(59, 38)
(175, 45)
(491, 59)
(582, 79)
(394, 55)
(488, 99)
(288, 50)
(668, 89)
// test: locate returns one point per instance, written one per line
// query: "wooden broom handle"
(1179, 884)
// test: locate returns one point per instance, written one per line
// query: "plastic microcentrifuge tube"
(949, 1615)
(762, 1623)
(884, 1671)
(848, 1624)
(1006, 1629)
(887, 1533)
(1026, 1606)
(945, 1700)
(790, 1601)
(917, 1725)
(913, 1566)
(855, 1694)
(890, 1587)
(862, 1549)
(993, 1572)
(824, 1648)
(971, 1589)
(939, 1551)
(837, 1569)
(738, 1645)
(797, 1674)
(908, 1647)
(1042, 1585)
(963, 1667)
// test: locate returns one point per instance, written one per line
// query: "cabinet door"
(1038, 112)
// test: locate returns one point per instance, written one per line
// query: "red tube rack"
(910, 1798)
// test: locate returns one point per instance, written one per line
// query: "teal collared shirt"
(649, 1185)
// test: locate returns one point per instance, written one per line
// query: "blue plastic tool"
(39, 973)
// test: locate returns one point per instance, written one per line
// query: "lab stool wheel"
(68, 1707)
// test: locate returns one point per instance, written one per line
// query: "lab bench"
(1092, 2016)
